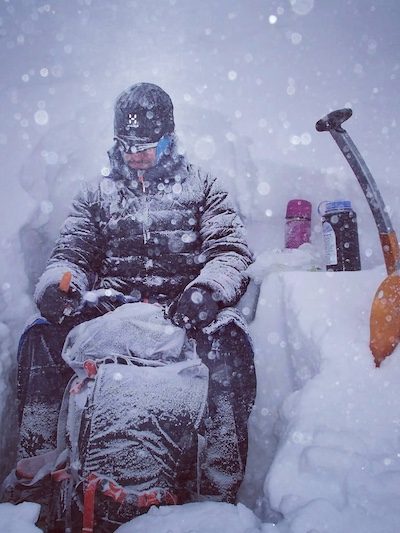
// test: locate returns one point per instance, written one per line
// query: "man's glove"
(55, 303)
(196, 308)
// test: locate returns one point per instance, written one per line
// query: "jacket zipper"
(145, 226)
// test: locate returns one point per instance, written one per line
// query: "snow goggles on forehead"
(130, 146)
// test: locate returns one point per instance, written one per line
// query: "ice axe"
(385, 311)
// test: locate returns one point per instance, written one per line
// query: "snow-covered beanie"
(143, 113)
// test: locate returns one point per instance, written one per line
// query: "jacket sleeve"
(225, 252)
(79, 248)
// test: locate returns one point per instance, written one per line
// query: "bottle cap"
(298, 209)
(335, 206)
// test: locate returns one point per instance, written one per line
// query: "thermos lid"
(334, 206)
(298, 209)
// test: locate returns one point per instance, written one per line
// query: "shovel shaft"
(390, 247)
(365, 179)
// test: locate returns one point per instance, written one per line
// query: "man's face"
(141, 160)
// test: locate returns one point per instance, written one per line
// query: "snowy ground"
(337, 462)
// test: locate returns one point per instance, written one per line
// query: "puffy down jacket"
(151, 236)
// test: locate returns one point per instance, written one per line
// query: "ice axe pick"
(385, 310)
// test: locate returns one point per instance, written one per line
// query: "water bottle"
(298, 223)
(339, 228)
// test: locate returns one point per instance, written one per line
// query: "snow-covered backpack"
(127, 432)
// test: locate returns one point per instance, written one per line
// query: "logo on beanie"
(132, 121)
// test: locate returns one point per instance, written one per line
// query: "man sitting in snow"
(159, 230)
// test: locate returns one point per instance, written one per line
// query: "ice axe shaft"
(385, 311)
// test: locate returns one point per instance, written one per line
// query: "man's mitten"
(55, 303)
(196, 308)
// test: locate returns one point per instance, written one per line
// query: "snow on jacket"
(152, 237)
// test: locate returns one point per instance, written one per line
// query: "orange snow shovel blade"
(385, 310)
(385, 318)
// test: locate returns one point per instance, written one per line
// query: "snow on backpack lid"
(132, 331)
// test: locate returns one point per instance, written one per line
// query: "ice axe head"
(334, 120)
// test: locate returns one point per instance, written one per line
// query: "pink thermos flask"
(298, 223)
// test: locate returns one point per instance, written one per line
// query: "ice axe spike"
(385, 311)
